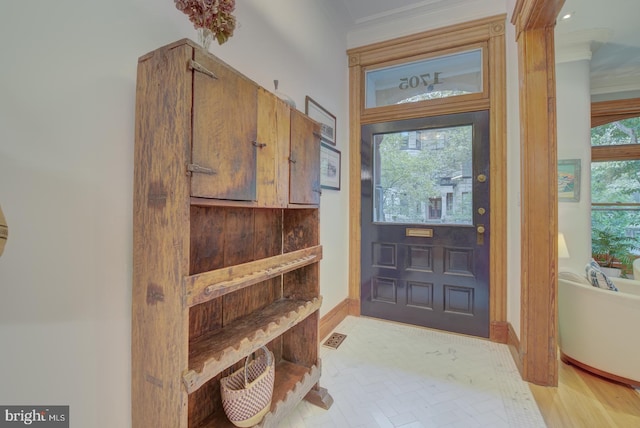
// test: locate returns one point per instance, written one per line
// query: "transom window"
(425, 79)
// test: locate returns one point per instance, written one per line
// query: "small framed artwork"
(327, 121)
(329, 167)
(569, 180)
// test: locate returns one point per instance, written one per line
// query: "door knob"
(480, 235)
(482, 178)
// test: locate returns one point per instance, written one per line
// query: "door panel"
(425, 222)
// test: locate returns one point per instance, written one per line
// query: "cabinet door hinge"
(193, 65)
(192, 167)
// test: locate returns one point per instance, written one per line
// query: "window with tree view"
(424, 176)
(615, 192)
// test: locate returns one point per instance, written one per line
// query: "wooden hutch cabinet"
(226, 240)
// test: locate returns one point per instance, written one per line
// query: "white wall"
(67, 96)
(573, 103)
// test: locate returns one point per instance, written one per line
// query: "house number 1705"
(422, 79)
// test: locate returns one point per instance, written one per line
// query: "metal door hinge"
(193, 65)
(195, 168)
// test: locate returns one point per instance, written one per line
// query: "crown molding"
(424, 16)
(578, 45)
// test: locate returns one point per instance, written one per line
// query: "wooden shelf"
(212, 353)
(225, 251)
(292, 383)
(205, 202)
(206, 286)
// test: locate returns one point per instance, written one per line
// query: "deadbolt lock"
(481, 211)
(482, 178)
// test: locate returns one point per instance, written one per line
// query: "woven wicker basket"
(246, 394)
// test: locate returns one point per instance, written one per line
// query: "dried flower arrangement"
(213, 16)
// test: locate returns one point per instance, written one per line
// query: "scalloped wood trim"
(281, 408)
(213, 353)
(206, 286)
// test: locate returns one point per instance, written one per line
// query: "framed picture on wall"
(327, 121)
(329, 167)
(569, 180)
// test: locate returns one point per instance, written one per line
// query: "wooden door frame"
(491, 33)
(536, 352)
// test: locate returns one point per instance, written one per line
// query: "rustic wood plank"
(205, 318)
(225, 116)
(301, 283)
(207, 232)
(268, 233)
(304, 160)
(237, 305)
(204, 202)
(160, 224)
(300, 229)
(239, 236)
(209, 285)
(295, 342)
(210, 354)
(274, 130)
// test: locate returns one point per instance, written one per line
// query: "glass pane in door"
(424, 176)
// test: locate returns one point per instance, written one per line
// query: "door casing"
(490, 32)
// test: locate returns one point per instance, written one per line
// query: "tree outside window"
(615, 192)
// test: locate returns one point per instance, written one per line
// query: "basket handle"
(246, 363)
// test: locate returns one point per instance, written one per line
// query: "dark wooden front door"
(425, 222)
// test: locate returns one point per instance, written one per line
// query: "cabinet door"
(304, 160)
(274, 134)
(224, 132)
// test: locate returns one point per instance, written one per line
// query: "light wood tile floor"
(583, 400)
